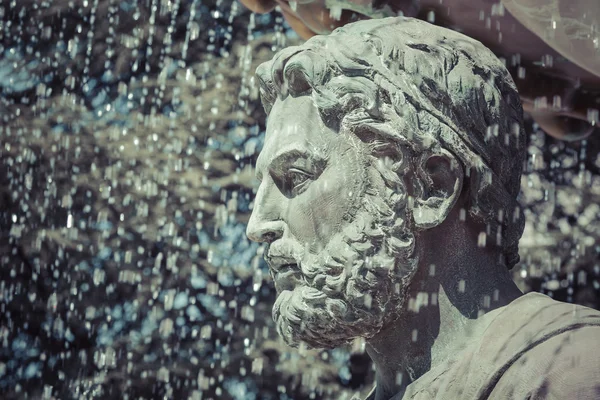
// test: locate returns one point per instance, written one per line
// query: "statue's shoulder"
(532, 319)
(542, 348)
(535, 347)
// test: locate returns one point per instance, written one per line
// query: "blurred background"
(127, 142)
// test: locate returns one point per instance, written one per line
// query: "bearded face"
(349, 289)
(340, 253)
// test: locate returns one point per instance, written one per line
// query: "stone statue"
(389, 178)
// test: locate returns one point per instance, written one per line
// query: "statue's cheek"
(321, 211)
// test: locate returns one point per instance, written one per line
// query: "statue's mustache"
(284, 250)
(284, 255)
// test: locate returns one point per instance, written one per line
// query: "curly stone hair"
(404, 84)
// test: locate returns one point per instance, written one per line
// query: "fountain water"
(129, 131)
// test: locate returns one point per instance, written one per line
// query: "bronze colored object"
(551, 47)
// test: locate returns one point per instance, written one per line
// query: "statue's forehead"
(292, 115)
(294, 123)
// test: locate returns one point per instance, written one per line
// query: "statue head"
(376, 134)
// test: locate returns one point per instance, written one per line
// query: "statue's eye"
(296, 179)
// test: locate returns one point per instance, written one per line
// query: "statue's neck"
(447, 310)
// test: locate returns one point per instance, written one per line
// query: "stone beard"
(358, 282)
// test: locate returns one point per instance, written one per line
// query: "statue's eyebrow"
(284, 156)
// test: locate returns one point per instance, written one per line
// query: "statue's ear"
(439, 185)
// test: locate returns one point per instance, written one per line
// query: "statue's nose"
(265, 223)
(264, 231)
